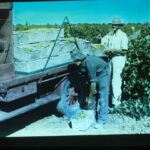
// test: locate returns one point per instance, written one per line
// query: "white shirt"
(116, 41)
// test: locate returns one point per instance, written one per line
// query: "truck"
(20, 93)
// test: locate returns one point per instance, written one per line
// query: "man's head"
(76, 55)
(116, 23)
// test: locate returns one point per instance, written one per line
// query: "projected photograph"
(72, 68)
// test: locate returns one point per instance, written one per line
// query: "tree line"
(90, 32)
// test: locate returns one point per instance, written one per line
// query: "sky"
(84, 11)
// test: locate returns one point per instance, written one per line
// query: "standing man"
(99, 75)
(116, 42)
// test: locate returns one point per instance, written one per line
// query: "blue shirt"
(94, 66)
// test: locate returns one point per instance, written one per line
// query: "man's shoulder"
(93, 58)
(106, 36)
(122, 32)
(110, 33)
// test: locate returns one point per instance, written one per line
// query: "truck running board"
(38, 102)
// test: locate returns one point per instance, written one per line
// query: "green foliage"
(134, 108)
(90, 32)
(94, 32)
(20, 27)
(27, 26)
(136, 73)
(136, 76)
(127, 28)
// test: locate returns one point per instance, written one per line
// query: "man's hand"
(107, 49)
(92, 92)
(91, 103)
(93, 88)
(72, 96)
(118, 52)
(89, 100)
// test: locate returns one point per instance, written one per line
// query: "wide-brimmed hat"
(76, 55)
(116, 21)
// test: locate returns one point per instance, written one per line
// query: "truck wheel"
(68, 104)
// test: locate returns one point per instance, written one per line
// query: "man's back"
(94, 65)
(95, 61)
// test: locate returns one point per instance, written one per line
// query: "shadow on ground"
(14, 124)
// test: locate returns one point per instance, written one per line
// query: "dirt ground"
(58, 126)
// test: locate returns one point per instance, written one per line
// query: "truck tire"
(68, 104)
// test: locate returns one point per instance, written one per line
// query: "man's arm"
(92, 92)
(91, 68)
(122, 52)
(109, 51)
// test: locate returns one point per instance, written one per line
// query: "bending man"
(99, 76)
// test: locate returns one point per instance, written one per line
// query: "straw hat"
(116, 21)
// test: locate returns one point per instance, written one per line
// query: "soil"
(59, 126)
